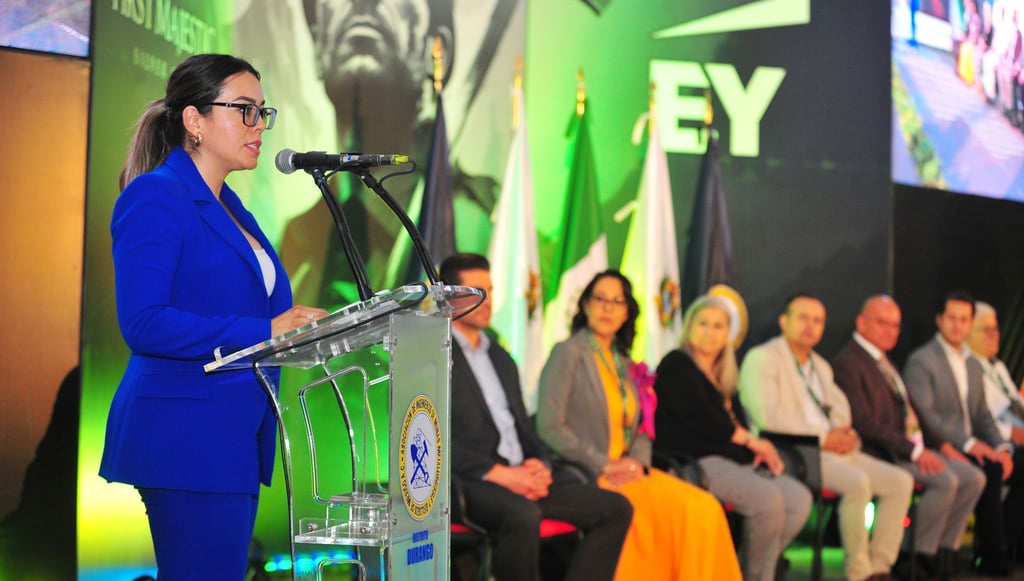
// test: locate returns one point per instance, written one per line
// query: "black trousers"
(514, 521)
(1000, 523)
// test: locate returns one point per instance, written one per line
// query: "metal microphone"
(287, 160)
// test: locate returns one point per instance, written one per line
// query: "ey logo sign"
(744, 105)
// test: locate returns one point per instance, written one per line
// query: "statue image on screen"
(357, 76)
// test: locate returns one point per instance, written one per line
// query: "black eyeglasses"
(608, 303)
(251, 113)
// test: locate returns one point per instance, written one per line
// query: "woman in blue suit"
(194, 272)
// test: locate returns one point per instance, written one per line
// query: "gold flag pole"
(651, 106)
(438, 53)
(517, 84)
(581, 94)
(709, 114)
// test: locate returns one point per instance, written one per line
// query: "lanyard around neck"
(997, 377)
(808, 380)
(615, 367)
(890, 376)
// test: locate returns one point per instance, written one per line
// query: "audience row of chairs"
(801, 454)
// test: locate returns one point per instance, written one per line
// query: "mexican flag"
(650, 260)
(582, 248)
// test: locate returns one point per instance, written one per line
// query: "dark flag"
(709, 248)
(437, 215)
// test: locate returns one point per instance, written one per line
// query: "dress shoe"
(917, 566)
(902, 568)
(928, 566)
(948, 563)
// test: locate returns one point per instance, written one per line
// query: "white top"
(269, 272)
(958, 363)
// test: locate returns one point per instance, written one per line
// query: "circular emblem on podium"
(419, 465)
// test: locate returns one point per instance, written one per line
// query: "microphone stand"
(355, 261)
(414, 233)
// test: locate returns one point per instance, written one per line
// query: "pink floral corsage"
(643, 379)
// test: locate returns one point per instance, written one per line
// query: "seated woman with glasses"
(193, 272)
(699, 416)
(589, 414)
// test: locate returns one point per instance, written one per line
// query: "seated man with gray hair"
(1007, 409)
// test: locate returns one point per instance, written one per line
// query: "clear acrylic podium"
(366, 500)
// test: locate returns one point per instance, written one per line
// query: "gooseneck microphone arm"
(417, 240)
(355, 261)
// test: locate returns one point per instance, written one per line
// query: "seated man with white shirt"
(1004, 401)
(1007, 409)
(945, 384)
(786, 387)
(505, 474)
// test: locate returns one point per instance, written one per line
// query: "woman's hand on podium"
(294, 318)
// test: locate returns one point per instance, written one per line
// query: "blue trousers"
(200, 535)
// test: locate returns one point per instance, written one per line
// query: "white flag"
(517, 301)
(650, 259)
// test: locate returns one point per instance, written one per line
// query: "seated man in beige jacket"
(786, 387)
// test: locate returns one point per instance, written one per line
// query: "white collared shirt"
(995, 396)
(509, 446)
(958, 363)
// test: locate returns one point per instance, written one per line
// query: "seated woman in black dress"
(699, 416)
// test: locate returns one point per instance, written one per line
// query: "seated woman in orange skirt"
(588, 413)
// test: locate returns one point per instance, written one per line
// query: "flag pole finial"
(652, 104)
(709, 110)
(709, 115)
(581, 94)
(438, 53)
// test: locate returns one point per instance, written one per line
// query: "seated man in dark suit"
(945, 383)
(506, 478)
(889, 426)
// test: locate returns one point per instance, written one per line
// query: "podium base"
(365, 523)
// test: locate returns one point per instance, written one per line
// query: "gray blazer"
(572, 410)
(933, 390)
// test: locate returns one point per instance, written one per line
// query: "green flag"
(582, 249)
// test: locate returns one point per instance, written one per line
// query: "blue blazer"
(187, 281)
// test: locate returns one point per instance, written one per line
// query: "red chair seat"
(548, 528)
(461, 529)
(553, 528)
